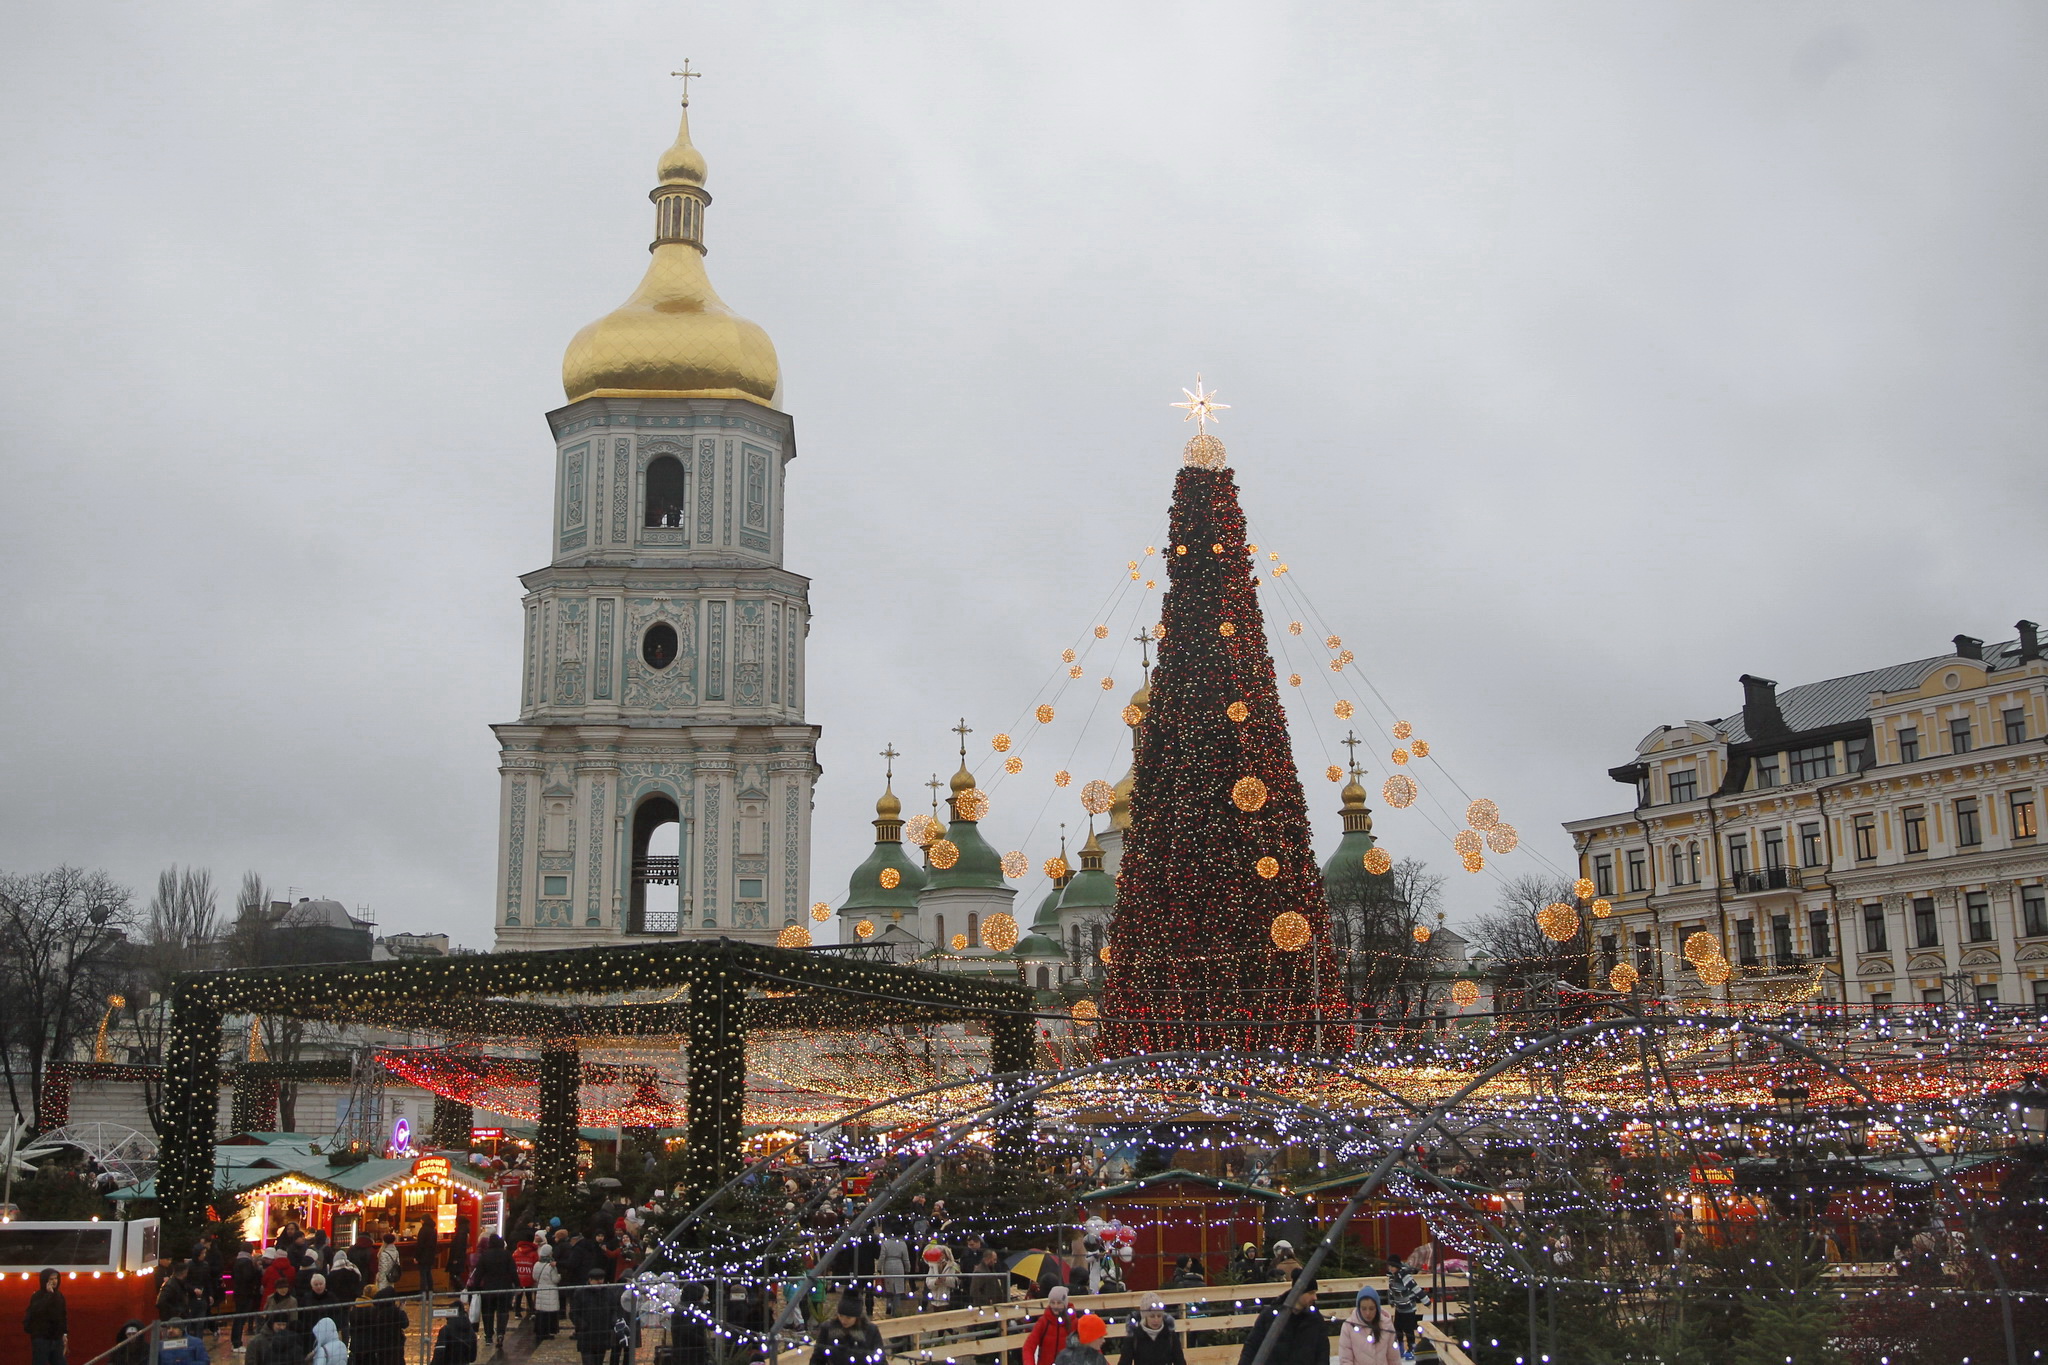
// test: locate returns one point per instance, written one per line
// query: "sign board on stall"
(431, 1165)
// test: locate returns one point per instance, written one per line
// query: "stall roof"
(347, 1182)
(1179, 1175)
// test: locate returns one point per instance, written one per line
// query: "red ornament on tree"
(1192, 856)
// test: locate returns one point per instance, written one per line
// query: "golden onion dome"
(962, 780)
(888, 808)
(674, 337)
(1354, 794)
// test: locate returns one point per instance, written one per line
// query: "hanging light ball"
(1334, 773)
(1420, 933)
(1076, 671)
(1237, 711)
(1701, 946)
(1097, 797)
(1267, 867)
(1420, 748)
(793, 936)
(1203, 451)
(1015, 864)
(1228, 628)
(921, 829)
(1346, 657)
(1294, 627)
(1583, 887)
(1001, 744)
(890, 879)
(1217, 548)
(1716, 972)
(1558, 921)
(1344, 710)
(1180, 549)
(1109, 684)
(1102, 632)
(1062, 778)
(1466, 994)
(1248, 793)
(1066, 656)
(1399, 790)
(1466, 841)
(1602, 909)
(959, 943)
(1159, 631)
(1474, 861)
(1402, 729)
(821, 911)
(1502, 838)
(1085, 1012)
(1044, 713)
(1294, 679)
(944, 853)
(1013, 765)
(1104, 955)
(1481, 814)
(1622, 977)
(1378, 861)
(1336, 666)
(999, 931)
(1132, 715)
(1055, 868)
(971, 804)
(1399, 755)
(1290, 931)
(865, 929)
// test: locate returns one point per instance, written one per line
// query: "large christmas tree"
(1217, 855)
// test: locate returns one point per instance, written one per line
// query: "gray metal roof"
(1837, 701)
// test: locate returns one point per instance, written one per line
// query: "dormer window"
(1685, 785)
(1767, 771)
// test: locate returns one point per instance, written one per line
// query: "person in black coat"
(345, 1282)
(377, 1330)
(1304, 1338)
(427, 1251)
(1150, 1338)
(458, 1252)
(247, 1278)
(689, 1343)
(497, 1279)
(593, 1311)
(849, 1338)
(455, 1343)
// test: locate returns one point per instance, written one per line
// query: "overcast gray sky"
(1582, 357)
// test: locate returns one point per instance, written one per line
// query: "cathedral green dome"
(1091, 888)
(979, 866)
(864, 889)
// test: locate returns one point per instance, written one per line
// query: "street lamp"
(1856, 1130)
(2027, 1113)
(1790, 1101)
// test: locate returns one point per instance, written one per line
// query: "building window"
(1932, 995)
(1880, 1001)
(973, 928)
(1915, 818)
(1677, 865)
(1692, 858)
(2041, 996)
(1607, 951)
(1685, 785)
(1767, 771)
(1857, 751)
(1818, 938)
(1959, 735)
(1646, 961)
(1603, 874)
(1774, 847)
(1926, 934)
(1643, 790)
(1809, 845)
(1967, 833)
(1977, 910)
(554, 886)
(2015, 725)
(1874, 940)
(939, 932)
(1738, 853)
(1781, 939)
(2034, 910)
(1811, 765)
(750, 888)
(658, 645)
(1909, 744)
(1987, 996)
(1866, 838)
(666, 498)
(1745, 942)
(2022, 806)
(1635, 869)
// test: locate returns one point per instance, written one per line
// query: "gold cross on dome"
(889, 756)
(963, 730)
(1144, 639)
(686, 76)
(936, 786)
(1351, 741)
(1201, 407)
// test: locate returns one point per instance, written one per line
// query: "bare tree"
(1374, 917)
(1523, 957)
(177, 936)
(59, 933)
(248, 942)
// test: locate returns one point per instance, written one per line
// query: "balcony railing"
(1765, 879)
(657, 871)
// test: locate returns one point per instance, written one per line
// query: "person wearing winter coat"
(455, 1343)
(389, 1266)
(496, 1277)
(275, 1343)
(892, 1263)
(1187, 1274)
(345, 1282)
(48, 1321)
(1285, 1265)
(458, 1252)
(319, 1305)
(989, 1286)
(689, 1343)
(1048, 1336)
(1150, 1338)
(523, 1257)
(1304, 1338)
(327, 1344)
(426, 1251)
(376, 1330)
(1085, 1346)
(942, 1279)
(247, 1278)
(1405, 1297)
(594, 1311)
(547, 1295)
(849, 1338)
(1367, 1336)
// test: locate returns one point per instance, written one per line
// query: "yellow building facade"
(1870, 839)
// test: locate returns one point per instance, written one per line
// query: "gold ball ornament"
(1347, 657)
(1085, 1012)
(1267, 867)
(1332, 642)
(1290, 931)
(1420, 933)
(821, 911)
(1378, 861)
(921, 829)
(1503, 839)
(1228, 628)
(959, 943)
(865, 929)
(1466, 841)
(1334, 773)
(1159, 631)
(1062, 778)
(1420, 748)
(944, 853)
(1336, 665)
(1481, 814)
(1622, 977)
(1248, 794)
(1056, 868)
(1015, 864)
(971, 804)
(1097, 797)
(1013, 764)
(890, 879)
(1294, 627)
(1104, 954)
(1466, 994)
(1558, 921)
(1399, 755)
(1280, 570)
(1045, 714)
(1217, 548)
(1602, 909)
(1203, 452)
(1180, 549)
(999, 931)
(1001, 744)
(1716, 972)
(1701, 946)
(1149, 584)
(1344, 710)
(1102, 632)
(1237, 711)
(1474, 861)
(1066, 656)
(1076, 671)
(793, 936)
(1400, 791)
(1294, 679)
(1583, 887)
(1132, 715)
(1109, 684)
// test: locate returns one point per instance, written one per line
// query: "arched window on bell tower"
(666, 493)
(657, 863)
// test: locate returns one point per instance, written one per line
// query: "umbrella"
(603, 1182)
(1031, 1265)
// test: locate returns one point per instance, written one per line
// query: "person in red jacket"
(523, 1257)
(277, 1269)
(1054, 1326)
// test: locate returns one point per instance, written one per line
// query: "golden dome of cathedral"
(674, 337)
